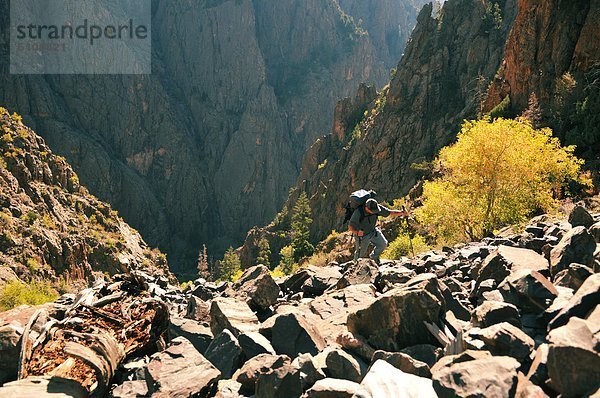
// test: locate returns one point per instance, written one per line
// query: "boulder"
(254, 367)
(364, 271)
(581, 304)
(504, 339)
(580, 217)
(196, 333)
(292, 334)
(577, 246)
(573, 277)
(404, 362)
(492, 312)
(342, 365)
(254, 343)
(10, 346)
(573, 360)
(499, 264)
(594, 230)
(529, 290)
(198, 310)
(130, 389)
(321, 279)
(180, 371)
(538, 371)
(228, 389)
(310, 370)
(225, 353)
(258, 288)
(426, 353)
(391, 274)
(526, 389)
(233, 315)
(384, 380)
(484, 377)
(397, 319)
(280, 381)
(332, 388)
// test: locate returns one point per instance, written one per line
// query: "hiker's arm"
(398, 213)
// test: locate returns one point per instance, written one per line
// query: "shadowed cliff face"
(437, 85)
(209, 144)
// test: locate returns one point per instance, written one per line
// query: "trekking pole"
(410, 243)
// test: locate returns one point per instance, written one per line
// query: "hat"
(373, 206)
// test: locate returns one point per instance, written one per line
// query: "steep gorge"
(209, 144)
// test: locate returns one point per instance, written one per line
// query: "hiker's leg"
(380, 243)
(357, 247)
(364, 246)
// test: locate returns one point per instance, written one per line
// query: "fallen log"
(84, 346)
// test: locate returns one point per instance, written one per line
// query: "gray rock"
(280, 381)
(228, 389)
(310, 371)
(254, 343)
(504, 339)
(196, 333)
(131, 389)
(404, 362)
(484, 377)
(573, 360)
(396, 319)
(573, 277)
(321, 279)
(580, 217)
(258, 287)
(225, 353)
(391, 274)
(180, 371)
(529, 290)
(577, 246)
(233, 315)
(332, 388)
(384, 380)
(198, 310)
(581, 304)
(594, 230)
(492, 312)
(261, 364)
(292, 334)
(10, 346)
(426, 353)
(342, 365)
(364, 271)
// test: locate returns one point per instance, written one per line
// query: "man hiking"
(363, 225)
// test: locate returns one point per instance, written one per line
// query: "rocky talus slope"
(516, 315)
(210, 143)
(51, 228)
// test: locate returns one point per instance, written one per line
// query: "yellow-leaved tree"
(497, 173)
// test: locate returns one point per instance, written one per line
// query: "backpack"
(357, 201)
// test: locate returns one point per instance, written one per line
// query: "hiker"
(363, 225)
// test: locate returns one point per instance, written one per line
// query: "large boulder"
(180, 371)
(258, 288)
(364, 271)
(10, 346)
(225, 353)
(577, 246)
(581, 304)
(580, 217)
(481, 378)
(196, 333)
(255, 367)
(198, 310)
(492, 312)
(342, 365)
(292, 334)
(499, 264)
(529, 290)
(573, 277)
(282, 380)
(254, 343)
(384, 380)
(573, 359)
(233, 315)
(321, 279)
(391, 274)
(397, 319)
(404, 362)
(505, 339)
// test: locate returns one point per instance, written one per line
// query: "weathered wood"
(37, 387)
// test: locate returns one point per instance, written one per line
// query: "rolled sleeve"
(384, 211)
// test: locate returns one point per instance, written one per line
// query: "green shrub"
(287, 263)
(401, 247)
(16, 293)
(229, 267)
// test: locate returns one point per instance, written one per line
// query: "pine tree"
(229, 266)
(301, 222)
(533, 113)
(203, 270)
(264, 252)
